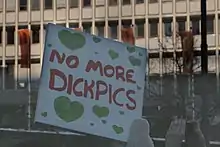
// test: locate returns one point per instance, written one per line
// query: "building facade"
(155, 23)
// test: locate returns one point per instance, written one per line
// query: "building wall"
(153, 20)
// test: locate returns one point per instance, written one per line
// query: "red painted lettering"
(129, 76)
(101, 89)
(114, 97)
(94, 65)
(76, 83)
(69, 84)
(56, 54)
(120, 73)
(128, 93)
(72, 61)
(89, 88)
(56, 73)
(109, 71)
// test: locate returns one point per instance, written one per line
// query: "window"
(140, 28)
(86, 3)
(167, 28)
(0, 35)
(195, 26)
(10, 5)
(153, 1)
(112, 2)
(48, 4)
(73, 3)
(87, 27)
(61, 3)
(113, 30)
(62, 24)
(210, 25)
(35, 33)
(153, 28)
(10, 34)
(139, 1)
(126, 23)
(35, 4)
(126, 2)
(73, 25)
(181, 25)
(1, 6)
(23, 5)
(100, 29)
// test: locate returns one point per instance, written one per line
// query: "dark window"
(140, 28)
(10, 34)
(126, 2)
(0, 35)
(113, 29)
(167, 27)
(139, 1)
(100, 29)
(73, 25)
(195, 26)
(86, 3)
(87, 27)
(23, 5)
(48, 4)
(62, 24)
(112, 2)
(153, 28)
(35, 33)
(181, 25)
(73, 3)
(210, 25)
(35, 4)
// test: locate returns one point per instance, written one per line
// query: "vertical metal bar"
(217, 45)
(16, 44)
(54, 11)
(119, 19)
(80, 13)
(188, 15)
(106, 19)
(67, 13)
(41, 31)
(174, 46)
(3, 44)
(204, 46)
(93, 17)
(147, 45)
(160, 47)
(133, 18)
(29, 69)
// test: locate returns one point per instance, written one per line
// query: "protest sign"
(90, 84)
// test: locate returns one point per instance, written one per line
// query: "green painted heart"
(130, 49)
(140, 54)
(121, 112)
(67, 110)
(113, 54)
(100, 111)
(71, 40)
(96, 39)
(134, 61)
(44, 114)
(117, 129)
(49, 45)
(104, 121)
(138, 87)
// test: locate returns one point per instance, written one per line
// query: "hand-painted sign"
(90, 84)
